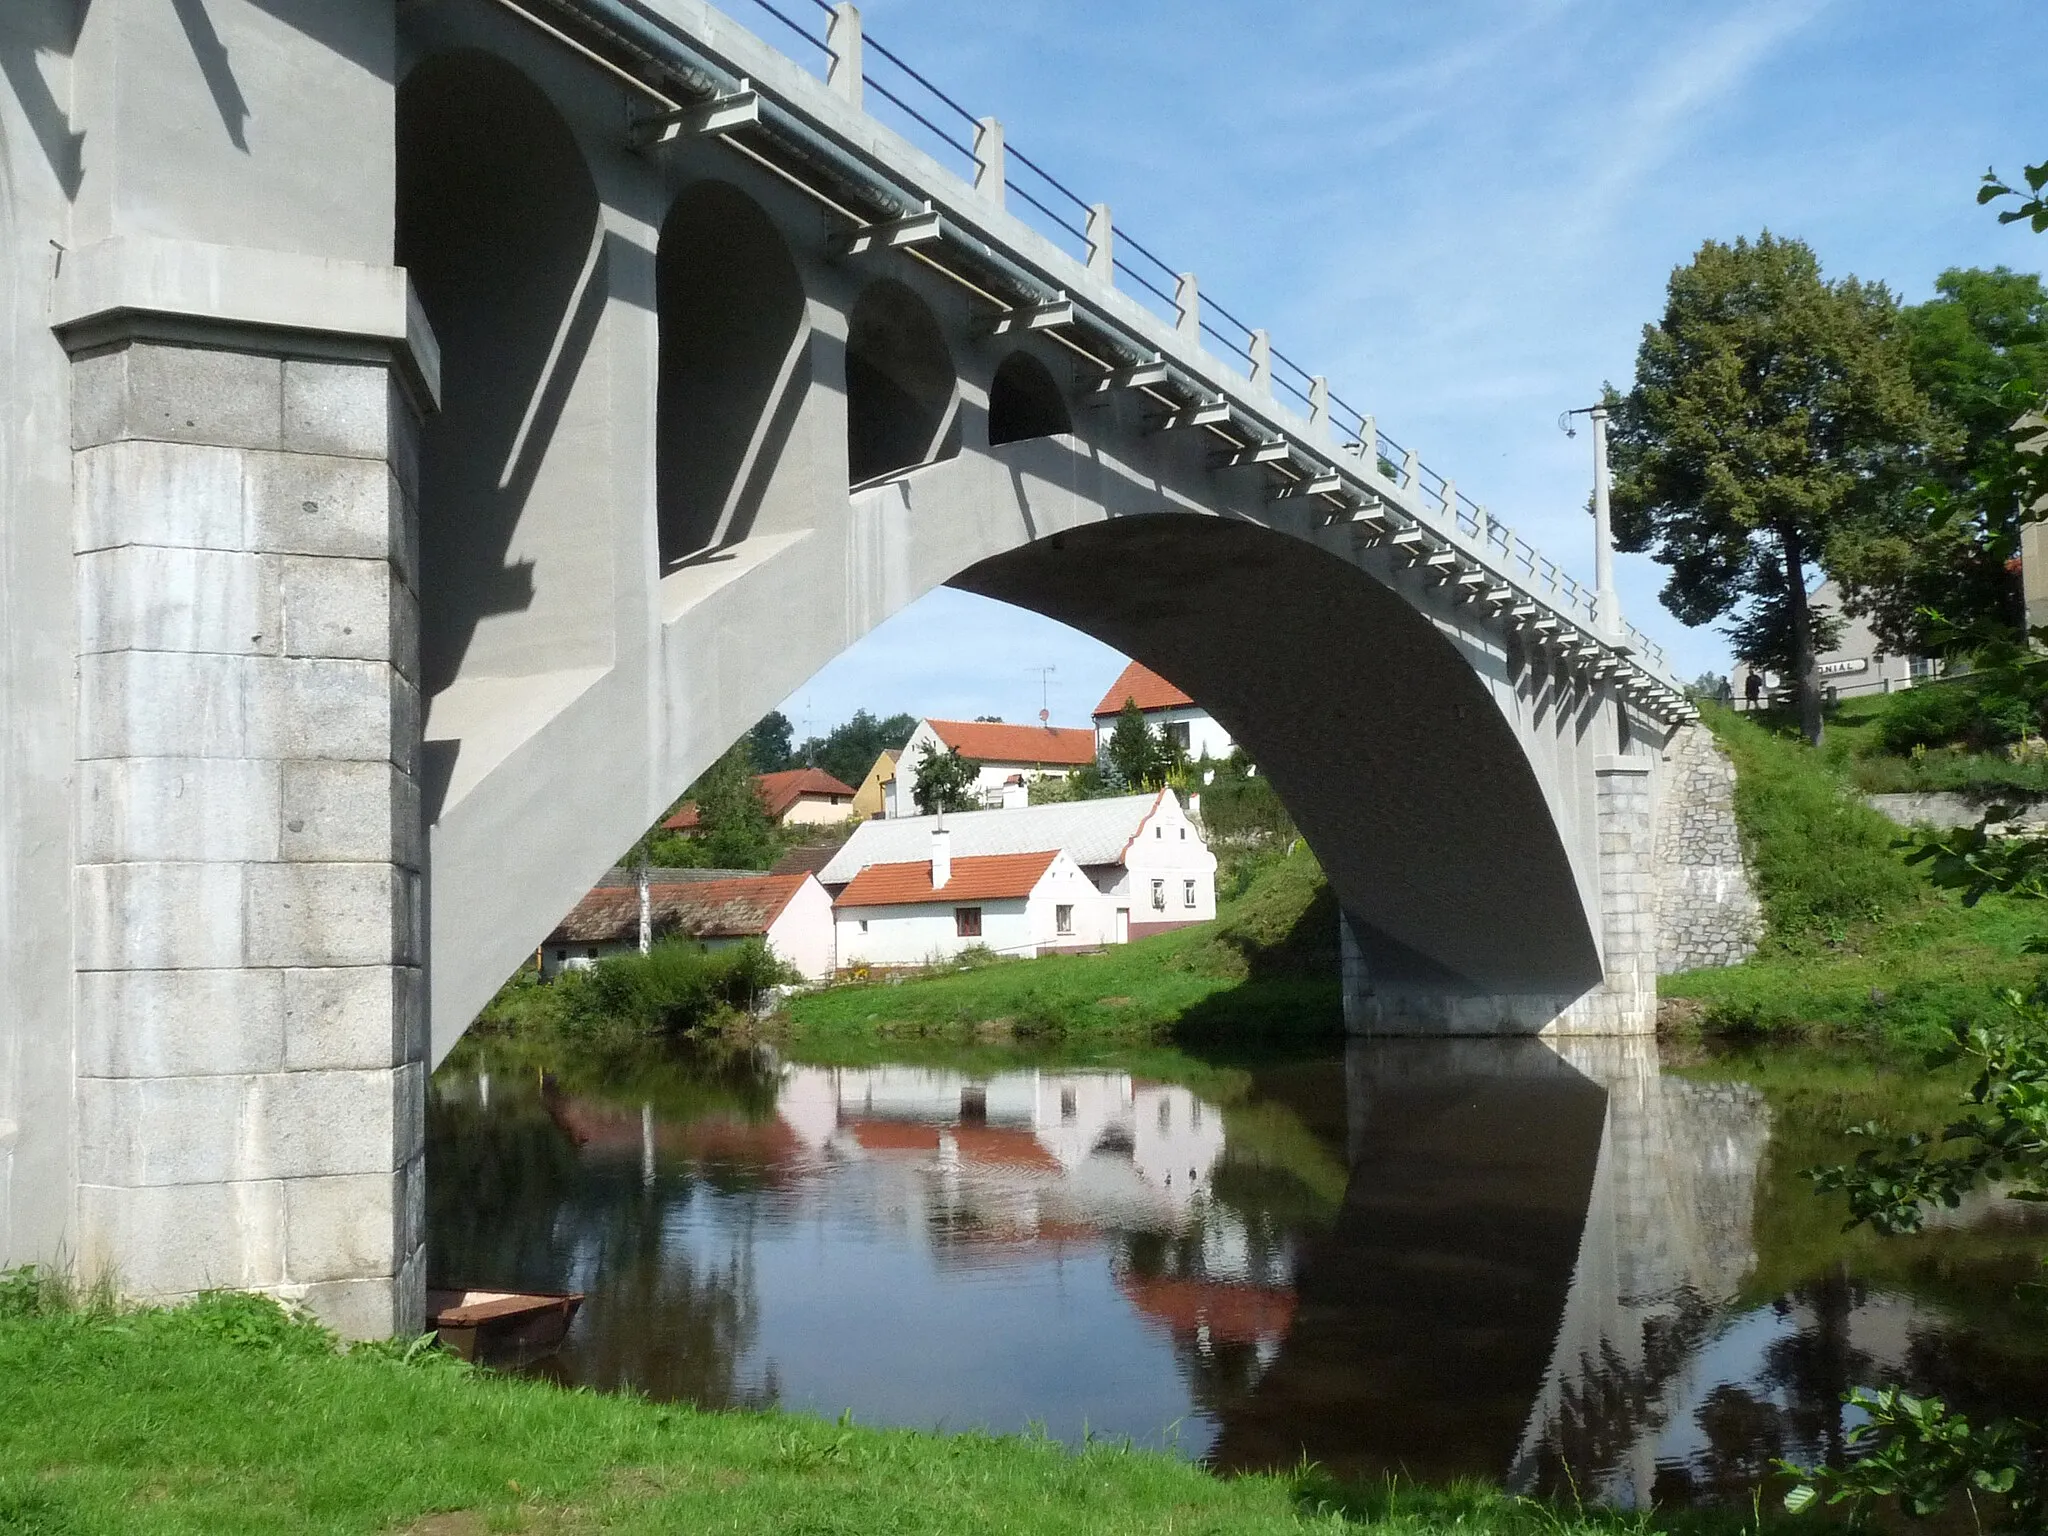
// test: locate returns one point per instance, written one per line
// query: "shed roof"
(1090, 831)
(1144, 687)
(777, 792)
(993, 877)
(741, 908)
(991, 741)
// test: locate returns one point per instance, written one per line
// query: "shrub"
(1975, 711)
(677, 987)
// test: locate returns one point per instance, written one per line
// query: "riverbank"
(1859, 946)
(227, 1417)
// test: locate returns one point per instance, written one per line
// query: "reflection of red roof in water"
(1236, 1314)
(998, 1144)
(895, 1136)
(615, 1128)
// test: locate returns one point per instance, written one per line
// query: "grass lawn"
(225, 1417)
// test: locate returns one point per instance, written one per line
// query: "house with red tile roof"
(1005, 757)
(916, 911)
(792, 913)
(1165, 708)
(793, 797)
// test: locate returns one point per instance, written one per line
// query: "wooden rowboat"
(506, 1328)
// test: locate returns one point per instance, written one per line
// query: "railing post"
(1101, 245)
(1411, 466)
(1319, 405)
(1369, 441)
(1187, 303)
(1450, 507)
(988, 159)
(842, 37)
(1262, 362)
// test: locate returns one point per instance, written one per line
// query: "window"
(1183, 834)
(1063, 919)
(967, 922)
(1176, 732)
(561, 955)
(1159, 895)
(1070, 1111)
(590, 953)
(863, 925)
(1187, 893)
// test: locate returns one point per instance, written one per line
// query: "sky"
(1463, 213)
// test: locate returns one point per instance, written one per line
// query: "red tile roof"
(778, 792)
(1139, 682)
(984, 877)
(990, 741)
(697, 909)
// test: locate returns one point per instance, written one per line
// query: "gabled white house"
(1166, 709)
(1013, 903)
(1142, 852)
(1006, 759)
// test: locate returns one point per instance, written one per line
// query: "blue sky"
(1464, 213)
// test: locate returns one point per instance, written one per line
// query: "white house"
(1005, 757)
(1014, 903)
(792, 912)
(1165, 708)
(1142, 852)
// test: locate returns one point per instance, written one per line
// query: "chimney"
(942, 857)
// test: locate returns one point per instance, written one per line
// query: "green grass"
(225, 1417)
(1855, 744)
(1266, 966)
(1859, 945)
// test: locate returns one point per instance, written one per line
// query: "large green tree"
(769, 743)
(1770, 409)
(852, 747)
(1979, 351)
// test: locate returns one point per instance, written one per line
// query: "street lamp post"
(1606, 601)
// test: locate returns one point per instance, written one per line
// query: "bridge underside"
(423, 490)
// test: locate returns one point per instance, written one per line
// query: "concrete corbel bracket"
(132, 286)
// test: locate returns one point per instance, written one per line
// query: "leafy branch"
(2033, 207)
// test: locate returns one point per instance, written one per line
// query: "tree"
(1979, 351)
(945, 781)
(1132, 756)
(733, 829)
(769, 743)
(852, 747)
(1770, 408)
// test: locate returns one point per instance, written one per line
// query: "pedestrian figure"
(1752, 689)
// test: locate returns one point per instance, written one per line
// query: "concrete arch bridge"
(438, 429)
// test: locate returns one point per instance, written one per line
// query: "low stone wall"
(1707, 912)
(1945, 808)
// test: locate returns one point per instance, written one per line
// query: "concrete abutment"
(250, 1006)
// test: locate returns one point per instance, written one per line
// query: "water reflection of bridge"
(1533, 1244)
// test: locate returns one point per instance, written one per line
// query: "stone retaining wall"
(1707, 912)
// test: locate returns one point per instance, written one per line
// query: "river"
(1578, 1269)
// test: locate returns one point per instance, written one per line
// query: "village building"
(870, 799)
(795, 797)
(1166, 709)
(1856, 663)
(1006, 759)
(792, 913)
(1143, 853)
(1017, 904)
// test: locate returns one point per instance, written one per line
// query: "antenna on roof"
(1044, 692)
